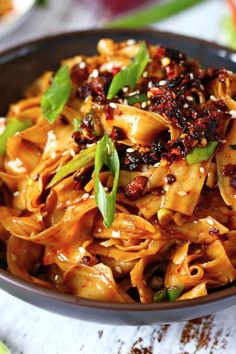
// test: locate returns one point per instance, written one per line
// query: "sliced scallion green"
(55, 98)
(199, 154)
(13, 126)
(131, 74)
(84, 158)
(142, 97)
(160, 295)
(106, 154)
(174, 292)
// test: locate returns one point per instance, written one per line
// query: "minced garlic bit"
(94, 74)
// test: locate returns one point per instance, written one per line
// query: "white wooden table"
(28, 330)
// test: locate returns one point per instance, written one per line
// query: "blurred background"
(213, 20)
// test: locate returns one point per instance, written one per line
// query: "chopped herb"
(142, 97)
(76, 124)
(106, 154)
(160, 295)
(168, 294)
(84, 158)
(174, 292)
(198, 154)
(55, 98)
(131, 74)
(233, 147)
(14, 126)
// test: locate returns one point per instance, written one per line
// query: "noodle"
(167, 168)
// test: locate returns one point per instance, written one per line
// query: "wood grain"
(29, 330)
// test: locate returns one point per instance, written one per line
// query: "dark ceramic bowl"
(19, 67)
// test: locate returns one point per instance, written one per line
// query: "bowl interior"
(18, 68)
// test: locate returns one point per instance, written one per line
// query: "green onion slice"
(174, 292)
(142, 97)
(14, 126)
(160, 295)
(84, 158)
(76, 124)
(198, 154)
(55, 98)
(106, 154)
(131, 74)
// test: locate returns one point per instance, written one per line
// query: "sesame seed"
(182, 193)
(150, 84)
(113, 105)
(125, 89)
(125, 102)
(157, 164)
(162, 82)
(186, 105)
(134, 93)
(118, 269)
(189, 98)
(115, 234)
(82, 65)
(53, 155)
(99, 229)
(210, 222)
(213, 98)
(233, 113)
(94, 74)
(85, 196)
(105, 189)
(129, 150)
(72, 152)
(15, 194)
(145, 74)
(165, 61)
(234, 196)
(202, 169)
(62, 257)
(143, 104)
(131, 42)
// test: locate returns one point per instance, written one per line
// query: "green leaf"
(160, 295)
(106, 154)
(230, 31)
(198, 154)
(174, 292)
(151, 14)
(4, 349)
(84, 158)
(131, 74)
(142, 97)
(14, 126)
(55, 98)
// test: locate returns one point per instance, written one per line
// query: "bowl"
(18, 68)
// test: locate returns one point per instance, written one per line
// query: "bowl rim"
(26, 48)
